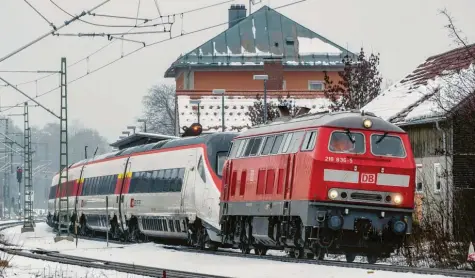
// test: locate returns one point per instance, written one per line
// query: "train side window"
(234, 148)
(283, 143)
(133, 182)
(277, 143)
(201, 169)
(181, 177)
(167, 180)
(295, 142)
(241, 148)
(160, 183)
(249, 147)
(255, 146)
(149, 184)
(174, 180)
(309, 141)
(287, 141)
(269, 142)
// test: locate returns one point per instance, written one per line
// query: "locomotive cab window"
(387, 145)
(269, 142)
(347, 142)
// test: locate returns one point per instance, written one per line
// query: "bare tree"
(360, 82)
(256, 111)
(443, 236)
(159, 109)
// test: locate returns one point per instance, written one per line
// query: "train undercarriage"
(289, 234)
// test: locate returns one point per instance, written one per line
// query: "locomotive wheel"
(320, 254)
(261, 251)
(372, 259)
(350, 257)
(298, 253)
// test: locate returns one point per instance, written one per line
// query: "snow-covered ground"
(21, 267)
(150, 254)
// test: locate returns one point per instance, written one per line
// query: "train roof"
(164, 144)
(345, 119)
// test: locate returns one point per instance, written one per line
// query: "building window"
(284, 85)
(316, 86)
(437, 177)
(419, 178)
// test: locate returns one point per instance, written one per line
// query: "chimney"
(275, 70)
(236, 14)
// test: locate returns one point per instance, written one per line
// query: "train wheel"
(372, 259)
(320, 254)
(245, 249)
(350, 257)
(261, 251)
(298, 253)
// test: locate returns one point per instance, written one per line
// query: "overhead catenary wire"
(110, 34)
(66, 23)
(113, 41)
(137, 50)
(42, 16)
(105, 25)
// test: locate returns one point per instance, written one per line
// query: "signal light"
(193, 130)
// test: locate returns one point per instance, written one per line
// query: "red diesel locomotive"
(340, 183)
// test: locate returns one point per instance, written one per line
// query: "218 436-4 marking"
(338, 159)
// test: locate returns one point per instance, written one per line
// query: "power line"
(111, 42)
(103, 25)
(110, 34)
(30, 71)
(49, 22)
(66, 23)
(138, 49)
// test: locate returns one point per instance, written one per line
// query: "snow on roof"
(264, 34)
(428, 92)
(236, 109)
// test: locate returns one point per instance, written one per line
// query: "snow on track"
(150, 254)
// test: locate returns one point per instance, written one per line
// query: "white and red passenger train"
(164, 189)
(324, 183)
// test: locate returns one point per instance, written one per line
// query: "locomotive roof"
(164, 144)
(346, 119)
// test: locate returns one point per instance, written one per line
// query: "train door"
(187, 201)
(120, 198)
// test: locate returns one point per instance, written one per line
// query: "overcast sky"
(405, 32)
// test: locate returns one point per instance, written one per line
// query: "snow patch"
(315, 45)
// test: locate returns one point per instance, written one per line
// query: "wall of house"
(243, 80)
(434, 188)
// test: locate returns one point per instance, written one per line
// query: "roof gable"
(265, 33)
(416, 97)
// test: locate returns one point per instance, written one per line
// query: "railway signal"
(193, 130)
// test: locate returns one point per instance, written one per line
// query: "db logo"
(132, 203)
(368, 178)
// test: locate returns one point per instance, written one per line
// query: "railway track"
(55, 256)
(158, 272)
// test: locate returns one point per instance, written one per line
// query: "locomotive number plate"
(338, 159)
(368, 178)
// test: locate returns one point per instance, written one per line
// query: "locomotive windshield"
(385, 145)
(221, 158)
(346, 142)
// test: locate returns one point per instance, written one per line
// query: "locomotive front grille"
(366, 197)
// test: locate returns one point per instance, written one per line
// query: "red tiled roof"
(455, 59)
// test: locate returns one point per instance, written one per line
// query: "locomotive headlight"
(332, 194)
(367, 123)
(397, 199)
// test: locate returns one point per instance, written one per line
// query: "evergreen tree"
(360, 82)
